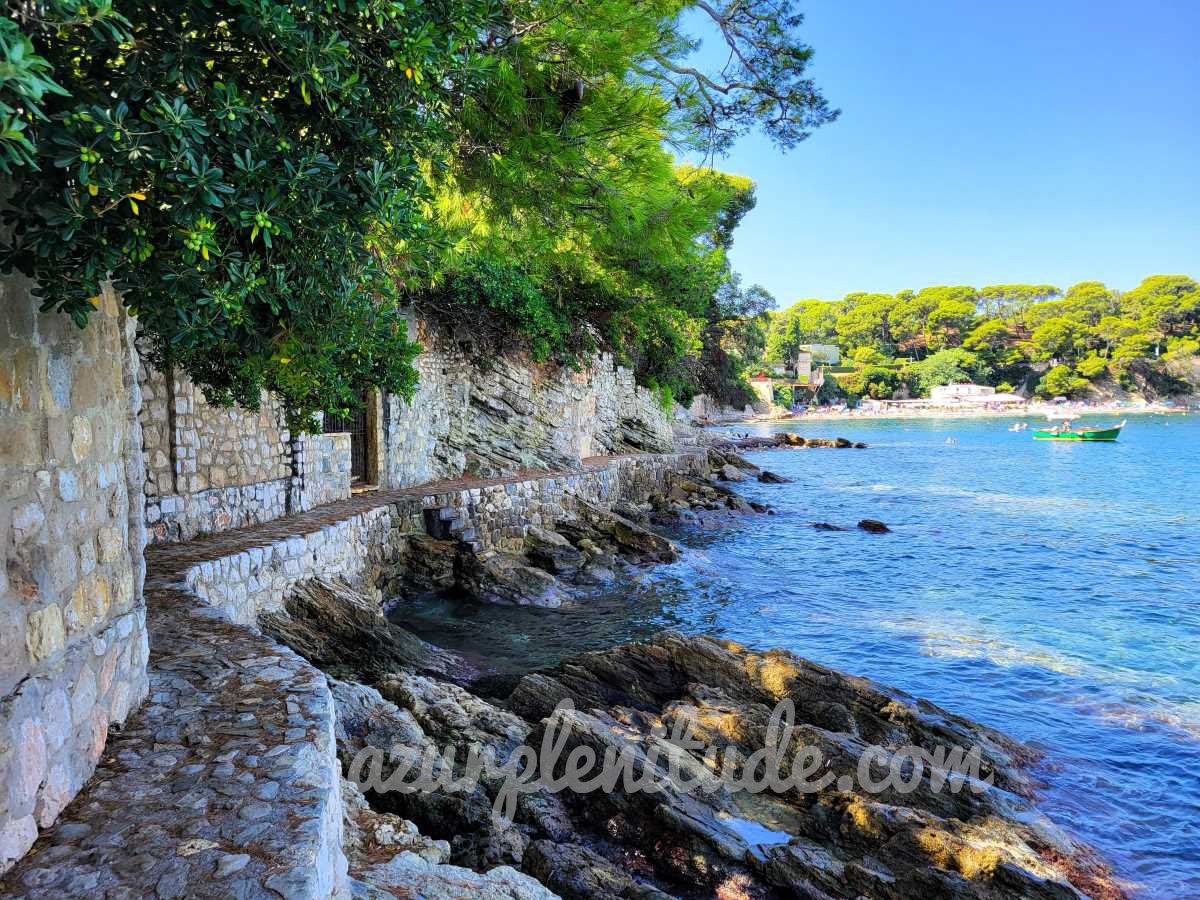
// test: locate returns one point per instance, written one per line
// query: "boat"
(1065, 432)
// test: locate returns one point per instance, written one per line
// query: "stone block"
(44, 634)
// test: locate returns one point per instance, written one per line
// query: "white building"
(823, 354)
(950, 393)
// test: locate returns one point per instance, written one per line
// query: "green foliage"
(232, 167)
(483, 284)
(1093, 366)
(946, 367)
(1061, 381)
(872, 381)
(1006, 330)
(867, 356)
(1054, 339)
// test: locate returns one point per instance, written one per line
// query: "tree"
(231, 166)
(915, 325)
(1009, 301)
(806, 322)
(1093, 367)
(873, 381)
(862, 357)
(949, 321)
(1167, 305)
(864, 321)
(1054, 339)
(1061, 381)
(954, 366)
(1088, 302)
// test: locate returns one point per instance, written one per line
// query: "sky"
(984, 143)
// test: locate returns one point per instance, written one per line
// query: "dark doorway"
(356, 424)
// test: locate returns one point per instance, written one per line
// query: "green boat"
(1066, 433)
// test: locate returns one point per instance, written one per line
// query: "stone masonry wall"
(211, 469)
(324, 467)
(494, 516)
(208, 468)
(73, 646)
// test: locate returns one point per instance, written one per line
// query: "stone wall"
(255, 579)
(484, 414)
(323, 461)
(73, 646)
(209, 468)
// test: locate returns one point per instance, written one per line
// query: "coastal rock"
(730, 472)
(551, 551)
(573, 871)
(507, 578)
(408, 875)
(826, 526)
(768, 477)
(874, 526)
(342, 630)
(841, 840)
(630, 539)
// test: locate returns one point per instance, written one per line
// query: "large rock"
(507, 578)
(408, 875)
(340, 629)
(841, 840)
(629, 538)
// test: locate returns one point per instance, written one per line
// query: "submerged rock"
(827, 526)
(874, 526)
(768, 477)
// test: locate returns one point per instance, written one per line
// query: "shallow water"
(1049, 590)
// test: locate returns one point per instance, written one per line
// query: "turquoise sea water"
(1049, 590)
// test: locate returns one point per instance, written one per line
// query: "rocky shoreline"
(915, 836)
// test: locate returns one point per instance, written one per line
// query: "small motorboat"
(1065, 432)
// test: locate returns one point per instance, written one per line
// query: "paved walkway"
(225, 783)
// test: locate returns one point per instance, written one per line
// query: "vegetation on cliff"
(269, 185)
(1010, 336)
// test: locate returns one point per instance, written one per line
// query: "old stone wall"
(257, 578)
(323, 461)
(209, 468)
(73, 647)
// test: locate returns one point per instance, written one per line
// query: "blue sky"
(981, 143)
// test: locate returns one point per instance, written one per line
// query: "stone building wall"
(73, 646)
(210, 468)
(323, 461)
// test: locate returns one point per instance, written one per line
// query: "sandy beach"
(1028, 411)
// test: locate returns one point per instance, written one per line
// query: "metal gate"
(356, 424)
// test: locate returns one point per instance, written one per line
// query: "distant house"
(950, 393)
(823, 354)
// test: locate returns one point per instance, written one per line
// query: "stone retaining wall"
(72, 621)
(258, 577)
(211, 469)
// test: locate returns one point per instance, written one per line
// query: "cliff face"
(481, 413)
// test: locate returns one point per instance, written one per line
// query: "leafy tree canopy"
(229, 165)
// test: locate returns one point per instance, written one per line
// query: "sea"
(1049, 590)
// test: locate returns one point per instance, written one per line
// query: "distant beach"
(1029, 411)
